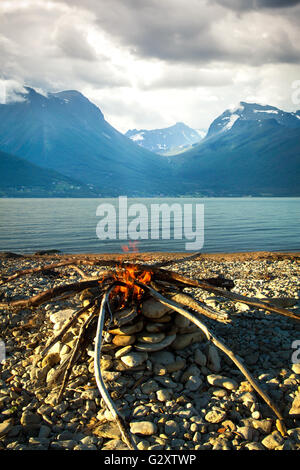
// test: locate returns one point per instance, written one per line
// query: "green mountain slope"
(21, 178)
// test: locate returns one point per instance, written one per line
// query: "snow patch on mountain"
(137, 137)
(231, 120)
(269, 111)
(167, 140)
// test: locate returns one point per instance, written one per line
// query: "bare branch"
(169, 275)
(211, 337)
(99, 380)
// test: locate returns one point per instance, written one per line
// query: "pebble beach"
(188, 396)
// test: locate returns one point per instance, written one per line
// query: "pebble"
(213, 359)
(148, 347)
(61, 317)
(123, 351)
(123, 340)
(295, 408)
(140, 411)
(185, 340)
(145, 428)
(152, 338)
(215, 416)
(171, 428)
(221, 381)
(149, 387)
(246, 432)
(153, 309)
(193, 383)
(273, 440)
(200, 358)
(134, 358)
(164, 394)
(128, 330)
(162, 357)
(296, 368)
(5, 427)
(29, 418)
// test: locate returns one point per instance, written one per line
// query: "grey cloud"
(40, 48)
(277, 3)
(73, 43)
(242, 5)
(195, 32)
(179, 77)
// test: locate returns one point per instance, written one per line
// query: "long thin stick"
(74, 354)
(200, 307)
(61, 264)
(170, 275)
(50, 294)
(211, 337)
(99, 380)
(68, 325)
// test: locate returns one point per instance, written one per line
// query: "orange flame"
(129, 276)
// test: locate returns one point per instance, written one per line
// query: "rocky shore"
(185, 396)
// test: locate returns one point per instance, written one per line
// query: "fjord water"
(69, 225)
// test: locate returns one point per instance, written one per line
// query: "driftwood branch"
(68, 325)
(75, 353)
(253, 302)
(52, 293)
(211, 337)
(99, 379)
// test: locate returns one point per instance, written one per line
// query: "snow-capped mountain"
(168, 140)
(253, 112)
(252, 150)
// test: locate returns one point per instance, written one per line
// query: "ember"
(129, 276)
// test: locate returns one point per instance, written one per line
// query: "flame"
(132, 247)
(129, 276)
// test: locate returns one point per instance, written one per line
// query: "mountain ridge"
(166, 140)
(250, 150)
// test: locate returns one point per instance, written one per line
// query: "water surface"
(69, 225)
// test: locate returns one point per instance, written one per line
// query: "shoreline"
(222, 256)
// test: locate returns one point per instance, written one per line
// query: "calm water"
(69, 225)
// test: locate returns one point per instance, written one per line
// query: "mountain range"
(259, 158)
(67, 133)
(60, 144)
(168, 140)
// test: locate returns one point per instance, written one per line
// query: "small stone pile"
(134, 336)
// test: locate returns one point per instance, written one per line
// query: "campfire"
(128, 307)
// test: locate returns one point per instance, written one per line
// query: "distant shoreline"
(161, 256)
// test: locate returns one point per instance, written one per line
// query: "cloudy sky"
(151, 63)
